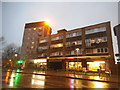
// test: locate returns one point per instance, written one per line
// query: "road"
(19, 80)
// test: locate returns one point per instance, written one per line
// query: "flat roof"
(34, 24)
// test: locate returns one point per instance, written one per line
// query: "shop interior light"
(40, 60)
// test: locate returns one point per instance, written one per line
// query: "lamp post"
(77, 49)
(10, 61)
(15, 57)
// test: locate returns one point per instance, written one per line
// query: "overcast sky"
(61, 15)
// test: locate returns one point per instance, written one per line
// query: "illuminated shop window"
(74, 66)
(94, 66)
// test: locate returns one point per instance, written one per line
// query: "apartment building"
(88, 48)
(32, 33)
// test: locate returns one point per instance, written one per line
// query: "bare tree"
(9, 52)
(2, 42)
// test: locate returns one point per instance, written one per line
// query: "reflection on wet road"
(19, 80)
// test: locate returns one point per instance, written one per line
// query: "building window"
(29, 29)
(34, 28)
(88, 42)
(33, 42)
(43, 40)
(56, 54)
(79, 42)
(95, 30)
(106, 50)
(104, 39)
(57, 45)
(73, 43)
(40, 32)
(73, 52)
(40, 28)
(32, 46)
(68, 53)
(95, 40)
(43, 55)
(74, 34)
(89, 51)
(28, 38)
(100, 50)
(78, 33)
(42, 47)
(57, 38)
(95, 51)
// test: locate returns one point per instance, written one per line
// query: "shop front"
(40, 63)
(80, 65)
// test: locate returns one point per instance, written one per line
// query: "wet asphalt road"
(19, 80)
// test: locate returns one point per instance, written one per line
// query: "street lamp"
(16, 55)
(77, 49)
(10, 62)
(47, 22)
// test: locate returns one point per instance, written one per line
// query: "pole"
(77, 49)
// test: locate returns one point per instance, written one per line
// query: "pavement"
(108, 79)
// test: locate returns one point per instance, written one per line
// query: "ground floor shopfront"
(37, 63)
(90, 66)
(73, 64)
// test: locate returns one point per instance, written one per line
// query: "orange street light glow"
(47, 22)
